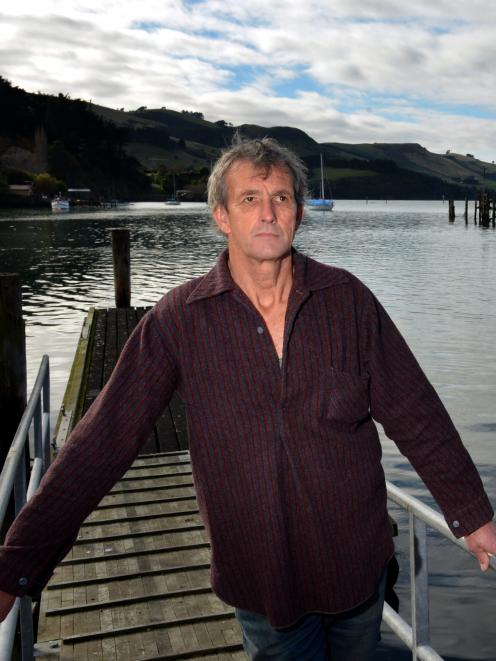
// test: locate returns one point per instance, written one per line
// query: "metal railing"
(35, 423)
(417, 636)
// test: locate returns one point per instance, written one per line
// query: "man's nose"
(268, 214)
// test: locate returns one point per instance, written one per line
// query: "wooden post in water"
(121, 254)
(485, 211)
(466, 211)
(494, 211)
(12, 367)
(12, 360)
(451, 211)
(475, 211)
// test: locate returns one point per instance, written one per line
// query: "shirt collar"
(309, 275)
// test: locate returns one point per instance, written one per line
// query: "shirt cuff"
(470, 518)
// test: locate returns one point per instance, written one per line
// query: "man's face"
(261, 215)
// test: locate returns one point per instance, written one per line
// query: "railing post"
(46, 419)
(27, 629)
(419, 583)
(122, 267)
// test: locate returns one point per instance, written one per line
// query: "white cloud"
(376, 70)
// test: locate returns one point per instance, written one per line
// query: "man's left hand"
(482, 544)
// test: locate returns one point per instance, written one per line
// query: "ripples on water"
(436, 280)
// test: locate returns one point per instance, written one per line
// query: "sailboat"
(173, 201)
(323, 203)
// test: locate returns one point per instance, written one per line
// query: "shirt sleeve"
(100, 449)
(405, 403)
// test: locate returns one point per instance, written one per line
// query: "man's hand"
(482, 543)
(6, 603)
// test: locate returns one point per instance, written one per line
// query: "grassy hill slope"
(94, 145)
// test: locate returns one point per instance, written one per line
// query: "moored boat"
(322, 203)
(173, 201)
(60, 203)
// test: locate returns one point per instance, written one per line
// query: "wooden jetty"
(136, 584)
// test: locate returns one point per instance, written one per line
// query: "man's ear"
(221, 218)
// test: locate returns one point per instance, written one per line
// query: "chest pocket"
(348, 401)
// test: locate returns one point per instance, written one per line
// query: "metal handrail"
(13, 478)
(417, 636)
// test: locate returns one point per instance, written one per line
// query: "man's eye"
(282, 198)
(249, 199)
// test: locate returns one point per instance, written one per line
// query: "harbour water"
(436, 279)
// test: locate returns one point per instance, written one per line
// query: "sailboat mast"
(321, 178)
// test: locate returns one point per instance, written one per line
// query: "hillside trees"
(84, 149)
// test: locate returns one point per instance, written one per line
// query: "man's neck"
(267, 283)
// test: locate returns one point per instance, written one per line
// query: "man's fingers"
(483, 559)
(482, 544)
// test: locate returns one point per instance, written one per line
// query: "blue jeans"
(349, 636)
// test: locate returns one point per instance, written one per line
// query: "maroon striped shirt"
(286, 459)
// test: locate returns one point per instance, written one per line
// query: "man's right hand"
(6, 602)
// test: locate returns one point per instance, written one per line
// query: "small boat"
(173, 201)
(322, 203)
(60, 203)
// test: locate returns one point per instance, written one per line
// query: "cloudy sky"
(342, 70)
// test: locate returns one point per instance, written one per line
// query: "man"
(282, 363)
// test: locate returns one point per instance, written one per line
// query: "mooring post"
(475, 211)
(466, 211)
(12, 360)
(13, 386)
(494, 211)
(121, 254)
(451, 211)
(485, 211)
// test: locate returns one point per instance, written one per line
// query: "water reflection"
(435, 279)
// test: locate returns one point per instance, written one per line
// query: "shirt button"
(260, 330)
(23, 582)
(456, 524)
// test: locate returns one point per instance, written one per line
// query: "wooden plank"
(95, 366)
(72, 402)
(128, 629)
(178, 413)
(122, 332)
(110, 356)
(128, 576)
(167, 437)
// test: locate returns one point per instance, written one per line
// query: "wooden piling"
(12, 366)
(484, 215)
(12, 360)
(466, 211)
(475, 211)
(451, 211)
(494, 212)
(121, 254)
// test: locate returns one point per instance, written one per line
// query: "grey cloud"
(105, 87)
(354, 74)
(365, 53)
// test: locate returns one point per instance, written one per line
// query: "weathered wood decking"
(136, 585)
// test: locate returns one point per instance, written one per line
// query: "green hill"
(134, 154)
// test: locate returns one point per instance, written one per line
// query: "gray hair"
(264, 153)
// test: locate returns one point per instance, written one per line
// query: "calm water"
(437, 281)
